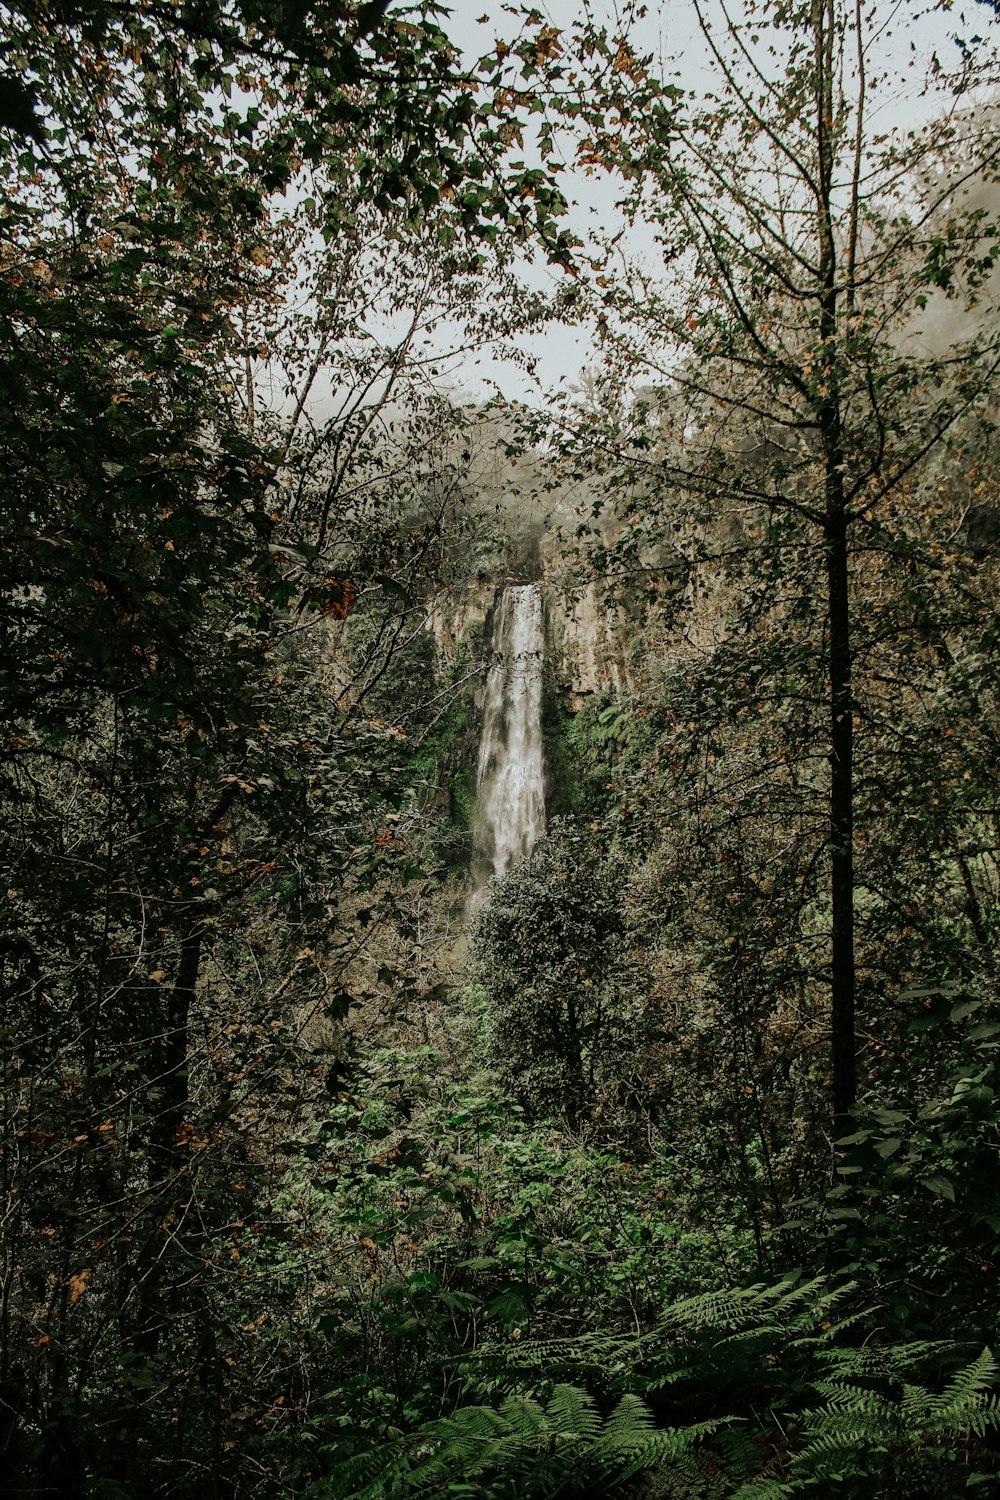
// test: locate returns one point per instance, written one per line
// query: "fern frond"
(729, 1307)
(668, 1444)
(871, 1415)
(761, 1489)
(964, 1394)
(879, 1361)
(841, 1396)
(526, 1419)
(856, 1438)
(631, 1419)
(574, 1412)
(535, 1448)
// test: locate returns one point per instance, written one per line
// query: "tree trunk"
(838, 643)
(841, 817)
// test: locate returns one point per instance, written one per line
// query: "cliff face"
(585, 639)
(520, 517)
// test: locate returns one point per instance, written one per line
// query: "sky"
(904, 39)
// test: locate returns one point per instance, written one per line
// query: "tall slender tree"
(786, 365)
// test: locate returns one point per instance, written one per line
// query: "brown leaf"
(78, 1284)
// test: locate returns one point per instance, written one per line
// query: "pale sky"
(902, 46)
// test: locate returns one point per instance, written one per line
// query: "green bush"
(548, 951)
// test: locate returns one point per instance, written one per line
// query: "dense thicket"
(189, 809)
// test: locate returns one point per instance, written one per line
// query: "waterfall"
(510, 792)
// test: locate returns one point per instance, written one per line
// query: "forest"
(499, 799)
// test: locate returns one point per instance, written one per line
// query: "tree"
(547, 950)
(192, 823)
(794, 389)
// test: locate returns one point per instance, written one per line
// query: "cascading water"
(510, 790)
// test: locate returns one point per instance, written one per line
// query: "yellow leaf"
(78, 1285)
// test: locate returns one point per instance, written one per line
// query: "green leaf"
(938, 1186)
(392, 586)
(458, 1301)
(890, 1117)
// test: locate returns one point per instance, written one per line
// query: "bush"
(548, 951)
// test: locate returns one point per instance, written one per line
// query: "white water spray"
(510, 789)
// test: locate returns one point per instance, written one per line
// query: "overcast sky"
(904, 41)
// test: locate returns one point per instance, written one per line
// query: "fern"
(964, 1406)
(717, 1332)
(827, 1417)
(523, 1448)
(810, 1412)
(879, 1434)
